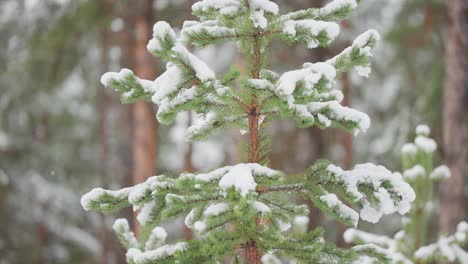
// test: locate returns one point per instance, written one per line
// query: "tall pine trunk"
(125, 41)
(103, 127)
(455, 109)
(144, 121)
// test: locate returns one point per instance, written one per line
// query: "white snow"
(202, 71)
(391, 253)
(363, 71)
(132, 253)
(332, 201)
(283, 226)
(270, 258)
(117, 24)
(258, 9)
(370, 213)
(241, 178)
(409, 149)
(335, 6)
(251, 169)
(159, 233)
(121, 226)
(324, 120)
(95, 194)
(446, 247)
(184, 96)
(314, 27)
(374, 176)
(360, 43)
(199, 226)
(462, 231)
(423, 130)
(266, 5)
(209, 27)
(414, 172)
(116, 76)
(425, 144)
(310, 75)
(145, 214)
(225, 7)
(261, 84)
(301, 220)
(351, 235)
(189, 219)
(162, 252)
(425, 252)
(138, 192)
(460, 254)
(161, 30)
(216, 209)
(261, 207)
(440, 173)
(343, 113)
(122, 76)
(167, 83)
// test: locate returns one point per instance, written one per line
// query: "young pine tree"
(243, 211)
(410, 244)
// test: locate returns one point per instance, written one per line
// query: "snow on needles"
(327, 109)
(139, 257)
(314, 28)
(241, 178)
(225, 7)
(335, 6)
(258, 10)
(375, 176)
(95, 194)
(161, 30)
(332, 201)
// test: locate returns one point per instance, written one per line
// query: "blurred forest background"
(62, 132)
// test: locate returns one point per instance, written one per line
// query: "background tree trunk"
(455, 103)
(125, 41)
(105, 7)
(144, 122)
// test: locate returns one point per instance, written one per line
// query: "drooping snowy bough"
(243, 209)
(409, 245)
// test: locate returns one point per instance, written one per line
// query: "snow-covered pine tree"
(243, 211)
(410, 244)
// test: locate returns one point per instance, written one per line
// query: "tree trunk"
(125, 41)
(144, 122)
(347, 142)
(103, 129)
(454, 113)
(251, 254)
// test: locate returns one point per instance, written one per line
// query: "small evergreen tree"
(410, 244)
(242, 211)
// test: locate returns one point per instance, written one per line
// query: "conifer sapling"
(242, 211)
(409, 245)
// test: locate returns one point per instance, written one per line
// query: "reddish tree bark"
(252, 254)
(125, 40)
(452, 204)
(103, 128)
(144, 122)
